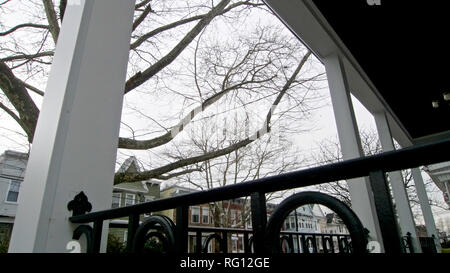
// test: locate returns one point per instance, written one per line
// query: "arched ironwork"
(344, 245)
(250, 244)
(289, 244)
(165, 231)
(218, 238)
(88, 232)
(308, 243)
(354, 226)
(327, 245)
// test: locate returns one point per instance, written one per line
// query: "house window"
(130, 199)
(116, 200)
(13, 192)
(237, 244)
(205, 215)
(195, 214)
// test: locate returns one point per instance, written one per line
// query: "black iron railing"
(266, 235)
(427, 244)
(290, 241)
(298, 242)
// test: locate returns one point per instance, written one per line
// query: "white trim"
(144, 185)
(4, 219)
(130, 190)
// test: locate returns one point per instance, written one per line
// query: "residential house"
(236, 213)
(199, 216)
(12, 172)
(309, 220)
(440, 175)
(128, 194)
(335, 225)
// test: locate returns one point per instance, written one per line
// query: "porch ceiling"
(402, 47)
(398, 50)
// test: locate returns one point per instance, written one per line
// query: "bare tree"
(173, 44)
(270, 155)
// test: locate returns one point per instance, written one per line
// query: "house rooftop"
(10, 153)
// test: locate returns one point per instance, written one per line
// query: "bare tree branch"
(142, 17)
(181, 22)
(27, 56)
(172, 175)
(29, 25)
(20, 99)
(52, 19)
(142, 77)
(133, 177)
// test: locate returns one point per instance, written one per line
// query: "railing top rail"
(406, 158)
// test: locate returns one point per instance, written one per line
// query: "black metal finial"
(79, 205)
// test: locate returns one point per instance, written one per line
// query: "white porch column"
(360, 189)
(425, 206)
(75, 143)
(402, 205)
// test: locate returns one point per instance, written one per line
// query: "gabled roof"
(333, 218)
(130, 165)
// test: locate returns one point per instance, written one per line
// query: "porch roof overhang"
(393, 56)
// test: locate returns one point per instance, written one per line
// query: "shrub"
(4, 245)
(115, 245)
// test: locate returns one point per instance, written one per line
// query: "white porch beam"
(426, 208)
(75, 144)
(360, 188)
(402, 205)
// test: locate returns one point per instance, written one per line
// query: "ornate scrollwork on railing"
(222, 242)
(88, 232)
(344, 245)
(356, 229)
(407, 243)
(160, 227)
